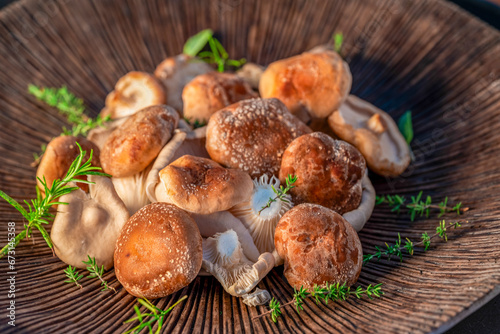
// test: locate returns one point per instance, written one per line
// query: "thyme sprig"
(37, 213)
(70, 106)
(98, 272)
(281, 192)
(418, 206)
(334, 292)
(398, 248)
(338, 39)
(156, 315)
(217, 55)
(73, 276)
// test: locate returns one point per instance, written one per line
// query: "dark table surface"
(485, 320)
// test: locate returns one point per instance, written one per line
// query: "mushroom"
(131, 147)
(134, 91)
(374, 133)
(219, 222)
(89, 224)
(212, 91)
(251, 135)
(318, 247)
(328, 171)
(159, 251)
(176, 72)
(100, 134)
(58, 156)
(359, 216)
(311, 85)
(200, 185)
(259, 220)
(251, 73)
(223, 257)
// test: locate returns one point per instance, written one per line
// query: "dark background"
(486, 320)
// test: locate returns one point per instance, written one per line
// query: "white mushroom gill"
(262, 225)
(132, 190)
(223, 257)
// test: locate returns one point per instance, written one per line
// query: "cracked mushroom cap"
(89, 225)
(60, 154)
(212, 91)
(134, 91)
(318, 246)
(136, 143)
(159, 251)
(311, 85)
(200, 185)
(374, 133)
(175, 72)
(251, 135)
(329, 172)
(223, 257)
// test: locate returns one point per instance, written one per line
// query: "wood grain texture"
(425, 56)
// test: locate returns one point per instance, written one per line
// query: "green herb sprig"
(281, 192)
(338, 39)
(156, 315)
(334, 292)
(217, 55)
(98, 272)
(73, 276)
(37, 213)
(398, 248)
(418, 206)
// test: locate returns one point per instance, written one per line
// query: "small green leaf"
(338, 39)
(406, 126)
(197, 42)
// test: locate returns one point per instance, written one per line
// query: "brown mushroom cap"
(176, 72)
(212, 91)
(318, 246)
(329, 172)
(203, 186)
(58, 156)
(251, 135)
(137, 142)
(375, 135)
(134, 91)
(159, 251)
(311, 85)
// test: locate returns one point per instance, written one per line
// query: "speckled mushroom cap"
(318, 246)
(200, 185)
(159, 251)
(58, 156)
(212, 91)
(329, 172)
(311, 85)
(252, 135)
(135, 144)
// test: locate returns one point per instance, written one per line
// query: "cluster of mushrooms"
(184, 202)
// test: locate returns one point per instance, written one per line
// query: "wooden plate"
(425, 56)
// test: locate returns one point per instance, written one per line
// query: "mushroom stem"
(377, 124)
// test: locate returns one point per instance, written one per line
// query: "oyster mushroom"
(374, 133)
(223, 257)
(175, 73)
(159, 251)
(89, 225)
(318, 246)
(200, 185)
(329, 172)
(212, 91)
(260, 222)
(312, 85)
(251, 135)
(134, 91)
(58, 156)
